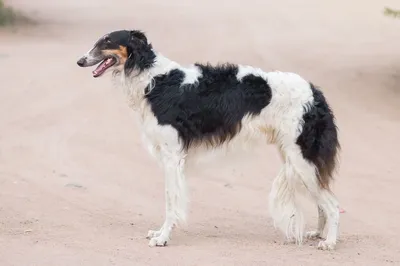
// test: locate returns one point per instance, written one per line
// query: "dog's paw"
(153, 233)
(313, 235)
(325, 245)
(158, 241)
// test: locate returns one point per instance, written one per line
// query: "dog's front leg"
(175, 198)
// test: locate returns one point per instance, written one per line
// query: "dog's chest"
(151, 130)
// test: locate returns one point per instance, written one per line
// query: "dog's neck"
(136, 84)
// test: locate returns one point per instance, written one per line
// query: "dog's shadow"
(224, 235)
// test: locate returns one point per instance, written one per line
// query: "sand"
(78, 188)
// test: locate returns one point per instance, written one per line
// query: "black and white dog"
(183, 109)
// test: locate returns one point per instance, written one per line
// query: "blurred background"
(78, 188)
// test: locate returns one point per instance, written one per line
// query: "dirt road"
(77, 187)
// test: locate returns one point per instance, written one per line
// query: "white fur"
(279, 123)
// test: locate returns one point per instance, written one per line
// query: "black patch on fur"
(113, 40)
(209, 111)
(319, 138)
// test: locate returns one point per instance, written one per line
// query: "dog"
(182, 109)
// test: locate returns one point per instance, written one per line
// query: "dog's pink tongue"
(101, 68)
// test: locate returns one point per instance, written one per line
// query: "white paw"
(313, 235)
(158, 241)
(325, 245)
(153, 233)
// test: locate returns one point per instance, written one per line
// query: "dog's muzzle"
(89, 59)
(82, 62)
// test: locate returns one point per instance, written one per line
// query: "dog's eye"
(107, 39)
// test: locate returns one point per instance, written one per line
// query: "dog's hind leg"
(327, 203)
(285, 208)
(321, 225)
(173, 161)
(330, 206)
(320, 146)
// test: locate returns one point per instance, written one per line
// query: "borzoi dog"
(186, 108)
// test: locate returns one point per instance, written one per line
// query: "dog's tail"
(284, 206)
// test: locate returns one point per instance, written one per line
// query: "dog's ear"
(140, 53)
(137, 36)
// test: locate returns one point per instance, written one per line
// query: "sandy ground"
(77, 187)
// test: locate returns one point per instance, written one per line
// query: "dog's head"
(119, 50)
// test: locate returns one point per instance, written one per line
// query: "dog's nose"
(81, 62)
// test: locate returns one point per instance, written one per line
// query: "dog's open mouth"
(103, 66)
